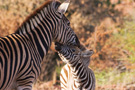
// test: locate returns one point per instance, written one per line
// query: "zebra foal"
(21, 53)
(75, 75)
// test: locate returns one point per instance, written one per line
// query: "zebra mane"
(34, 13)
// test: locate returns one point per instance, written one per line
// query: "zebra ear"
(63, 7)
(87, 53)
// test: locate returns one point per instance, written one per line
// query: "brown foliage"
(94, 25)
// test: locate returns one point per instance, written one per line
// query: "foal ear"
(63, 7)
(87, 53)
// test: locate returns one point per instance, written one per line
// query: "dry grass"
(45, 86)
(94, 30)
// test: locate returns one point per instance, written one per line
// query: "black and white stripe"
(75, 75)
(21, 53)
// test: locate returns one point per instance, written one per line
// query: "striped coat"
(21, 53)
(75, 75)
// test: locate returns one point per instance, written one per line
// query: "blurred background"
(105, 26)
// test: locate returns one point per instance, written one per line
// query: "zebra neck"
(83, 76)
(78, 69)
(38, 30)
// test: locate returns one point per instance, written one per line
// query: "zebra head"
(63, 33)
(71, 53)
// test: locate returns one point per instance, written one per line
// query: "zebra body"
(76, 75)
(18, 62)
(21, 53)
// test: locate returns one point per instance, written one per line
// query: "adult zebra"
(75, 75)
(21, 53)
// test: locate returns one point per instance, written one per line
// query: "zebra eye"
(73, 50)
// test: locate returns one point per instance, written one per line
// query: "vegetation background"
(105, 26)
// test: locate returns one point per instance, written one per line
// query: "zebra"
(22, 52)
(75, 75)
